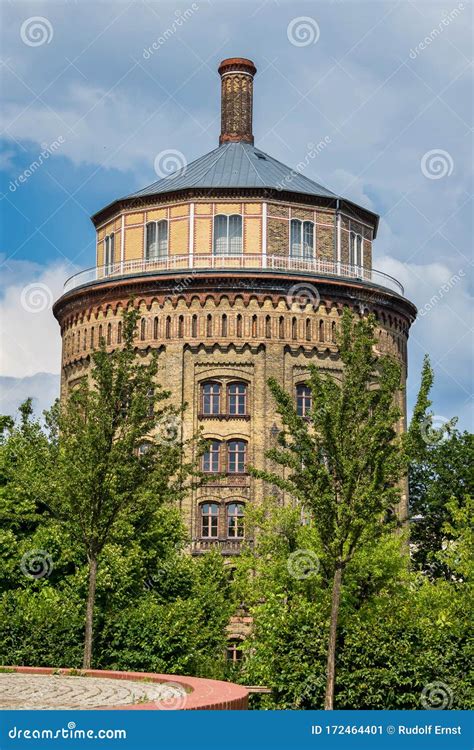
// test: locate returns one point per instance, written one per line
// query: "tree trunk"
(86, 664)
(331, 662)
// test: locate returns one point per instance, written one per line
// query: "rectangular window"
(237, 399)
(109, 247)
(210, 459)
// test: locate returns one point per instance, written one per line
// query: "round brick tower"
(240, 267)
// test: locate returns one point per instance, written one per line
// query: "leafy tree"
(92, 477)
(345, 462)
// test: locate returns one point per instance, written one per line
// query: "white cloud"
(30, 340)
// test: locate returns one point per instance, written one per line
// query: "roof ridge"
(296, 171)
(253, 165)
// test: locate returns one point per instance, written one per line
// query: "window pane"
(308, 239)
(162, 239)
(211, 398)
(210, 459)
(236, 457)
(209, 520)
(151, 248)
(295, 248)
(235, 520)
(235, 235)
(220, 235)
(237, 398)
(303, 400)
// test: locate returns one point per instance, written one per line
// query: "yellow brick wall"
(134, 243)
(252, 235)
(136, 218)
(252, 208)
(228, 208)
(202, 236)
(179, 237)
(180, 210)
(157, 214)
(203, 209)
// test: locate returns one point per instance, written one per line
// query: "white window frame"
(227, 252)
(302, 255)
(109, 252)
(356, 249)
(158, 254)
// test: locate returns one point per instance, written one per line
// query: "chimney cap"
(237, 63)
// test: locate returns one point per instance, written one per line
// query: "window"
(180, 327)
(168, 328)
(237, 398)
(194, 326)
(234, 651)
(211, 398)
(142, 329)
(303, 400)
(224, 325)
(355, 252)
(109, 334)
(84, 341)
(92, 337)
(227, 235)
(333, 332)
(155, 327)
(308, 329)
(294, 330)
(211, 458)
(119, 332)
(100, 335)
(109, 248)
(143, 448)
(156, 240)
(235, 521)
(268, 327)
(281, 327)
(209, 325)
(209, 520)
(239, 326)
(254, 326)
(321, 330)
(236, 456)
(301, 239)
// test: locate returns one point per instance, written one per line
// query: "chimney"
(236, 99)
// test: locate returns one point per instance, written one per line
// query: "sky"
(97, 94)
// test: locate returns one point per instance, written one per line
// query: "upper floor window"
(234, 652)
(211, 458)
(209, 520)
(211, 398)
(301, 239)
(237, 398)
(355, 250)
(236, 456)
(303, 400)
(227, 234)
(235, 520)
(156, 239)
(109, 250)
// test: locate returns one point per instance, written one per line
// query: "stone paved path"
(25, 691)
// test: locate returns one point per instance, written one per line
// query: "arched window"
(236, 456)
(168, 328)
(209, 520)
(308, 329)
(268, 327)
(301, 239)
(355, 249)
(142, 329)
(155, 327)
(281, 327)
(239, 327)
(237, 398)
(294, 329)
(180, 327)
(109, 251)
(100, 334)
(78, 341)
(224, 325)
(227, 234)
(235, 521)
(211, 398)
(92, 338)
(119, 332)
(254, 326)
(109, 333)
(303, 400)
(84, 340)
(211, 458)
(321, 330)
(194, 326)
(333, 332)
(234, 652)
(209, 325)
(156, 240)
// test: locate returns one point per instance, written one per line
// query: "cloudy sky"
(104, 88)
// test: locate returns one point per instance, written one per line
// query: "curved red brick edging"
(202, 694)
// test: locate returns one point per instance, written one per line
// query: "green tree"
(345, 462)
(92, 477)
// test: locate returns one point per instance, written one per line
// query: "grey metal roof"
(236, 165)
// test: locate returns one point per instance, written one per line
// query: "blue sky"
(389, 84)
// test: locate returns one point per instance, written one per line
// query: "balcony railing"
(224, 546)
(243, 262)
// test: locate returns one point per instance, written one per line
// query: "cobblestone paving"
(24, 691)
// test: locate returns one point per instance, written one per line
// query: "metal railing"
(243, 262)
(224, 546)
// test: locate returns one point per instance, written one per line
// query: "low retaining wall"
(201, 694)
